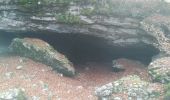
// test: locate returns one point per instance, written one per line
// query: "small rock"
(117, 98)
(34, 85)
(35, 98)
(79, 87)
(9, 75)
(117, 67)
(45, 86)
(61, 75)
(19, 67)
(90, 96)
(21, 60)
(43, 70)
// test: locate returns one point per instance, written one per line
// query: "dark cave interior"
(84, 48)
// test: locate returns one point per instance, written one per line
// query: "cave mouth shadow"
(85, 48)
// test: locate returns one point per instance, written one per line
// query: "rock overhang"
(82, 48)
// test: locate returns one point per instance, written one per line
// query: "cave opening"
(85, 48)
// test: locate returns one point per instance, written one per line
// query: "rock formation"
(132, 87)
(118, 23)
(41, 51)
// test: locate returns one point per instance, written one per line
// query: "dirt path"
(41, 82)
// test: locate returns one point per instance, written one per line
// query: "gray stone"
(116, 22)
(159, 70)
(41, 51)
(132, 86)
(19, 67)
(117, 66)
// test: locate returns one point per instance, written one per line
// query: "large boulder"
(41, 51)
(122, 64)
(129, 88)
(159, 70)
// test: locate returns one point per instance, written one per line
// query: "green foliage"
(68, 18)
(87, 11)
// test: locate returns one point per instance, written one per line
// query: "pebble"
(34, 85)
(117, 98)
(90, 96)
(61, 75)
(79, 87)
(9, 75)
(35, 98)
(44, 86)
(19, 67)
(116, 84)
(21, 60)
(43, 70)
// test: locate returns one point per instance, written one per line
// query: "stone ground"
(40, 82)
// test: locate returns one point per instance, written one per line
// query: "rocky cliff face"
(117, 22)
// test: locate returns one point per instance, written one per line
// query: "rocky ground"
(40, 82)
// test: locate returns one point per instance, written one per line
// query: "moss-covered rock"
(41, 51)
(132, 87)
(160, 70)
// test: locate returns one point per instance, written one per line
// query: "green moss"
(20, 47)
(87, 11)
(68, 18)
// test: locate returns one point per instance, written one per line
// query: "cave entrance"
(85, 48)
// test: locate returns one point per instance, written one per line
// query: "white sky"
(167, 1)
